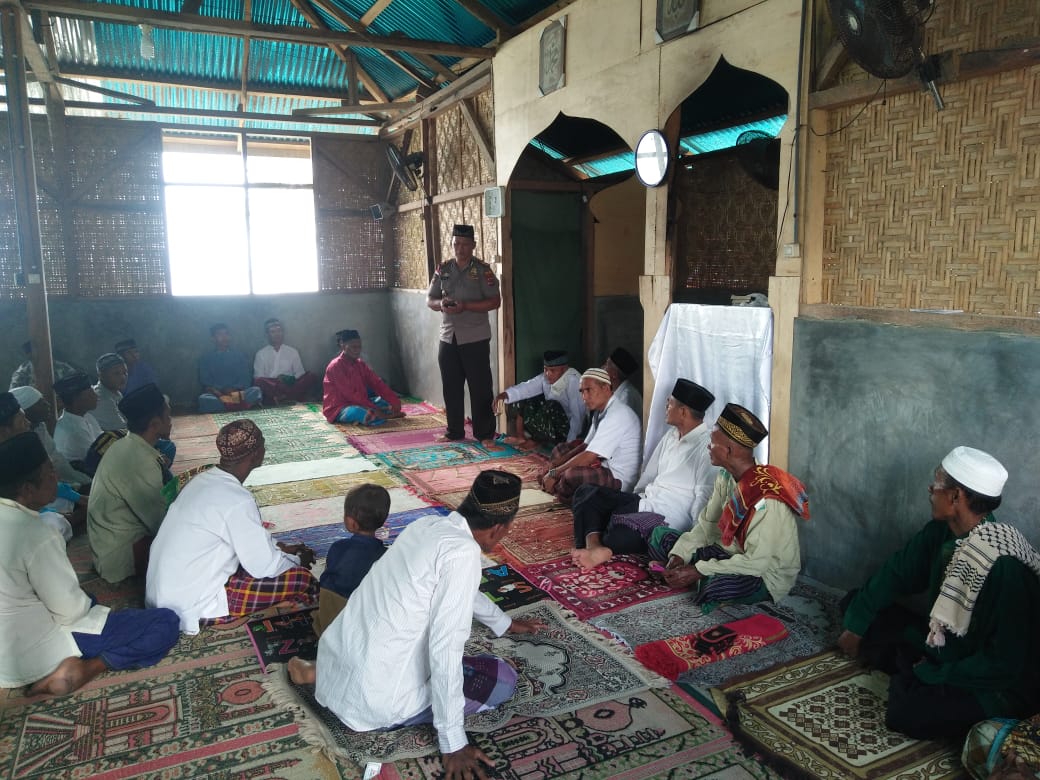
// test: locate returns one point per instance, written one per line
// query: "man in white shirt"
(621, 366)
(77, 428)
(673, 489)
(212, 559)
(609, 454)
(51, 635)
(548, 408)
(394, 656)
(37, 412)
(111, 371)
(278, 370)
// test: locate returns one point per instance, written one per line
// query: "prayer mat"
(824, 716)
(504, 586)
(193, 425)
(442, 455)
(281, 637)
(532, 500)
(200, 447)
(127, 594)
(563, 667)
(325, 487)
(311, 469)
(538, 538)
(672, 657)
(326, 511)
(181, 465)
(809, 612)
(432, 420)
(455, 478)
(277, 453)
(620, 582)
(395, 440)
(201, 712)
(417, 408)
(275, 416)
(320, 538)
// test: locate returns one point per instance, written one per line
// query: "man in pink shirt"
(353, 393)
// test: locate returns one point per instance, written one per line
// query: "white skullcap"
(26, 396)
(976, 470)
(597, 374)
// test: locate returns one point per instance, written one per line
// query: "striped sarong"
(732, 588)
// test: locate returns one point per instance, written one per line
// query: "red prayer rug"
(455, 478)
(538, 538)
(621, 582)
(672, 657)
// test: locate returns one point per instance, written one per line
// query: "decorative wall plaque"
(677, 17)
(552, 50)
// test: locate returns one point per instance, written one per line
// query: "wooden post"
(430, 220)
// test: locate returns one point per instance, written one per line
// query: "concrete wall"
(875, 407)
(173, 332)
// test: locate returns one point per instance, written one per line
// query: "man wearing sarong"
(673, 489)
(226, 376)
(353, 392)
(609, 453)
(52, 634)
(212, 560)
(974, 656)
(744, 547)
(126, 505)
(278, 370)
(394, 656)
(546, 409)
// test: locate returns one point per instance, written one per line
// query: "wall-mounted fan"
(759, 155)
(884, 38)
(408, 168)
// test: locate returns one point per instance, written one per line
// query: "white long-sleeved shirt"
(628, 395)
(73, 434)
(770, 550)
(396, 648)
(564, 391)
(270, 363)
(678, 478)
(212, 528)
(614, 437)
(41, 602)
(61, 464)
(107, 413)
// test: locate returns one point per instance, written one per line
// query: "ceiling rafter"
(377, 8)
(503, 29)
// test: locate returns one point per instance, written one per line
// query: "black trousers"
(463, 364)
(918, 710)
(593, 506)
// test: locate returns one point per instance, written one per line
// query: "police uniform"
(465, 346)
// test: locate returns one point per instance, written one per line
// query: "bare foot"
(514, 441)
(591, 557)
(72, 674)
(395, 415)
(446, 439)
(302, 672)
(491, 445)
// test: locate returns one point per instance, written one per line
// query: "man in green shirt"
(974, 657)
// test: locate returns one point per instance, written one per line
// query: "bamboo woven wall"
(939, 210)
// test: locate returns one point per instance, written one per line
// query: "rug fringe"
(278, 686)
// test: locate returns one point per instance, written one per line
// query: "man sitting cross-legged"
(225, 376)
(674, 487)
(744, 547)
(212, 559)
(394, 656)
(52, 634)
(547, 408)
(609, 454)
(278, 370)
(353, 392)
(77, 428)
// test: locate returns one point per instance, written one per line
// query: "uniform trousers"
(463, 364)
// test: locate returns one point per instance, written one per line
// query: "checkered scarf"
(966, 574)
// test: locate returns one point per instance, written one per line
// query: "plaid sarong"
(575, 477)
(247, 595)
(487, 681)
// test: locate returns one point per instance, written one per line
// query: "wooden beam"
(546, 13)
(352, 78)
(488, 18)
(445, 73)
(834, 60)
(447, 197)
(953, 68)
(471, 83)
(234, 27)
(430, 214)
(377, 8)
(477, 131)
(395, 184)
(359, 108)
(243, 93)
(103, 91)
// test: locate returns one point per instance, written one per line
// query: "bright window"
(240, 223)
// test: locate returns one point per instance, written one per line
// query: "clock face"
(652, 158)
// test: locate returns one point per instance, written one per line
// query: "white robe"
(678, 479)
(270, 363)
(73, 434)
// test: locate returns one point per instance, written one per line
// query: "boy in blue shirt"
(365, 510)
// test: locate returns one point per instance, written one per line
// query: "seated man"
(674, 487)
(609, 454)
(975, 656)
(744, 547)
(225, 376)
(126, 504)
(25, 374)
(365, 510)
(138, 373)
(52, 634)
(77, 428)
(394, 655)
(548, 407)
(352, 391)
(621, 366)
(278, 370)
(38, 412)
(111, 371)
(212, 559)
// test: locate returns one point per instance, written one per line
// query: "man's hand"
(674, 562)
(465, 764)
(525, 626)
(849, 643)
(496, 404)
(681, 576)
(305, 553)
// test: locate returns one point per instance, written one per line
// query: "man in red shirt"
(353, 393)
